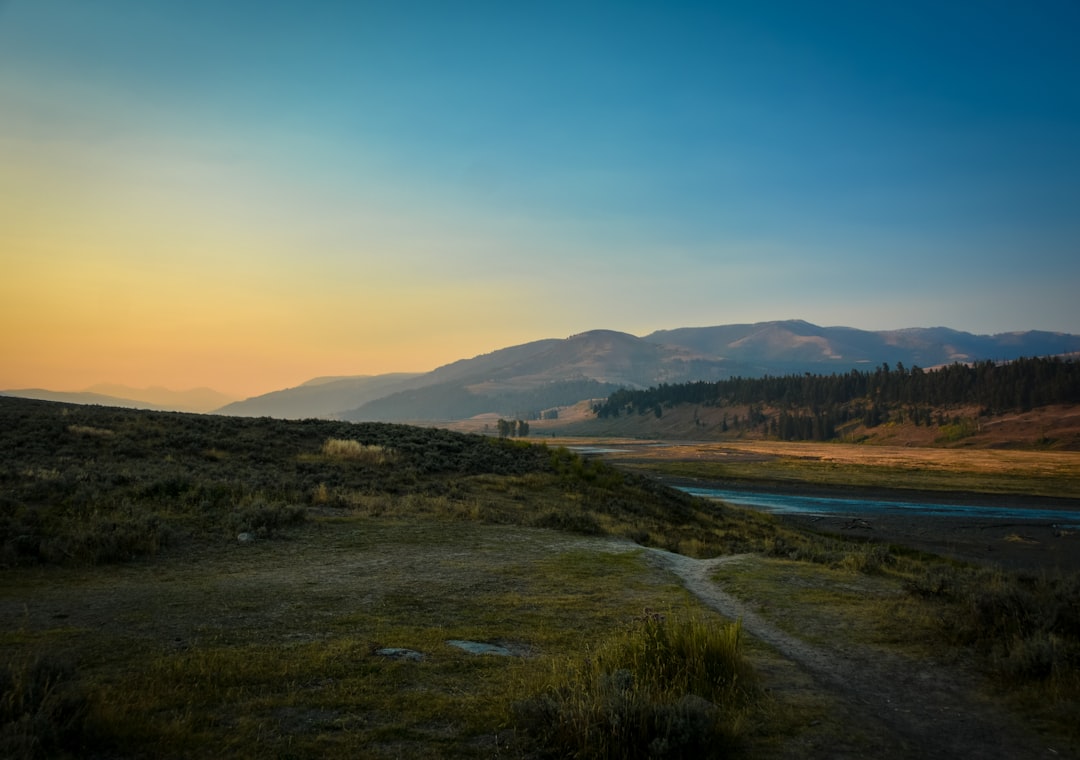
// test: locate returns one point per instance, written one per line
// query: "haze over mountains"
(315, 397)
(527, 380)
(110, 394)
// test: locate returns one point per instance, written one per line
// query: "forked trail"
(895, 707)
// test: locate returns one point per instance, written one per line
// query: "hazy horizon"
(146, 392)
(244, 196)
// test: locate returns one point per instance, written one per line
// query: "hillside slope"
(523, 381)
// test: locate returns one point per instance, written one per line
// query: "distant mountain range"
(522, 381)
(799, 346)
(526, 380)
(321, 397)
(105, 394)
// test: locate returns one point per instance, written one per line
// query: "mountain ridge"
(541, 376)
(505, 381)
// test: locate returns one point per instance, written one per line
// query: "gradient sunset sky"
(245, 195)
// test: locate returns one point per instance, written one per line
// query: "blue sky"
(248, 194)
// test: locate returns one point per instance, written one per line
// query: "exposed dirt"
(896, 708)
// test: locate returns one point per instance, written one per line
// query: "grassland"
(136, 623)
(271, 649)
(1054, 474)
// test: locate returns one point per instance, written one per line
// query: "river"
(786, 503)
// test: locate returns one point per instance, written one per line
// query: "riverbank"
(1013, 481)
(1028, 546)
(1012, 541)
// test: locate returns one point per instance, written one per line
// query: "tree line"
(811, 407)
(513, 428)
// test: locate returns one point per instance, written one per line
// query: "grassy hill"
(91, 484)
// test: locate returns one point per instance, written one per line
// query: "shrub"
(267, 519)
(354, 451)
(1032, 658)
(1029, 628)
(569, 520)
(89, 539)
(91, 431)
(42, 709)
(956, 431)
(936, 581)
(664, 688)
(101, 539)
(869, 559)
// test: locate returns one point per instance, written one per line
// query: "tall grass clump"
(354, 451)
(666, 687)
(42, 709)
(267, 519)
(52, 535)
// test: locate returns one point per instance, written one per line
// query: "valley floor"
(1046, 480)
(259, 650)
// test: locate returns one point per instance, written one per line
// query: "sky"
(245, 195)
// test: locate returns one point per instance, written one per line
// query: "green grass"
(843, 604)
(665, 686)
(1022, 632)
(270, 649)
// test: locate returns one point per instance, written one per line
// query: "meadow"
(194, 586)
(1053, 474)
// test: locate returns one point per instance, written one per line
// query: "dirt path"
(894, 709)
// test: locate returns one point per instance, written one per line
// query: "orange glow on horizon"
(76, 367)
(69, 328)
